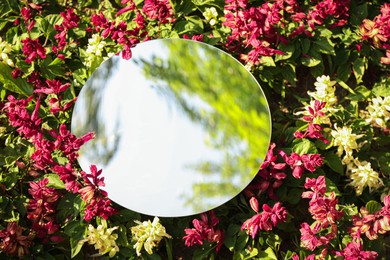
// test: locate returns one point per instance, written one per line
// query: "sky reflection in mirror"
(181, 127)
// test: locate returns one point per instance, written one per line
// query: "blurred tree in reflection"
(89, 116)
(216, 91)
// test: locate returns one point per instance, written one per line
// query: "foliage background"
(48, 49)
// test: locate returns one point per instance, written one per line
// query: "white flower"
(379, 111)
(5, 49)
(325, 90)
(346, 141)
(211, 15)
(148, 235)
(362, 175)
(94, 50)
(103, 239)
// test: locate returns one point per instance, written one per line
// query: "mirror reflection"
(181, 128)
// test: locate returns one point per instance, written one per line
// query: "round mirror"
(181, 128)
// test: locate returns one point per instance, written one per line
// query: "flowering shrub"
(323, 189)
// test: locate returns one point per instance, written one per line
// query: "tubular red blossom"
(68, 176)
(16, 110)
(322, 208)
(68, 143)
(159, 9)
(53, 87)
(204, 230)
(71, 19)
(312, 131)
(299, 163)
(42, 209)
(354, 250)
(32, 49)
(99, 207)
(270, 217)
(13, 242)
(270, 176)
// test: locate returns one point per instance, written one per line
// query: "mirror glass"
(181, 128)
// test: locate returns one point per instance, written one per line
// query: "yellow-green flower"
(94, 50)
(362, 175)
(379, 111)
(346, 141)
(325, 90)
(211, 15)
(5, 49)
(103, 239)
(148, 235)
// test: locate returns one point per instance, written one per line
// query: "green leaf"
(288, 73)
(334, 162)
(267, 61)
(52, 68)
(305, 45)
(359, 66)
(75, 246)
(358, 13)
(288, 52)
(18, 85)
(310, 61)
(331, 187)
(241, 241)
(231, 236)
(325, 45)
(373, 206)
(193, 25)
(274, 241)
(294, 195)
(183, 7)
(304, 147)
(268, 254)
(54, 181)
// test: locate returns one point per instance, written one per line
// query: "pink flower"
(308, 236)
(70, 19)
(13, 242)
(204, 230)
(32, 49)
(159, 9)
(270, 217)
(313, 131)
(99, 207)
(18, 116)
(270, 175)
(68, 176)
(322, 208)
(68, 143)
(299, 163)
(93, 182)
(53, 87)
(354, 250)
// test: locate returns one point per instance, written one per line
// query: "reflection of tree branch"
(103, 147)
(214, 90)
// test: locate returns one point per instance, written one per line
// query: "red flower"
(300, 163)
(53, 87)
(32, 49)
(204, 230)
(13, 242)
(18, 116)
(265, 220)
(308, 236)
(68, 176)
(354, 251)
(159, 9)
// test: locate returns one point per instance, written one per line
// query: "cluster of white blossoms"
(362, 175)
(103, 239)
(148, 235)
(325, 91)
(94, 50)
(346, 142)
(211, 15)
(378, 111)
(5, 49)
